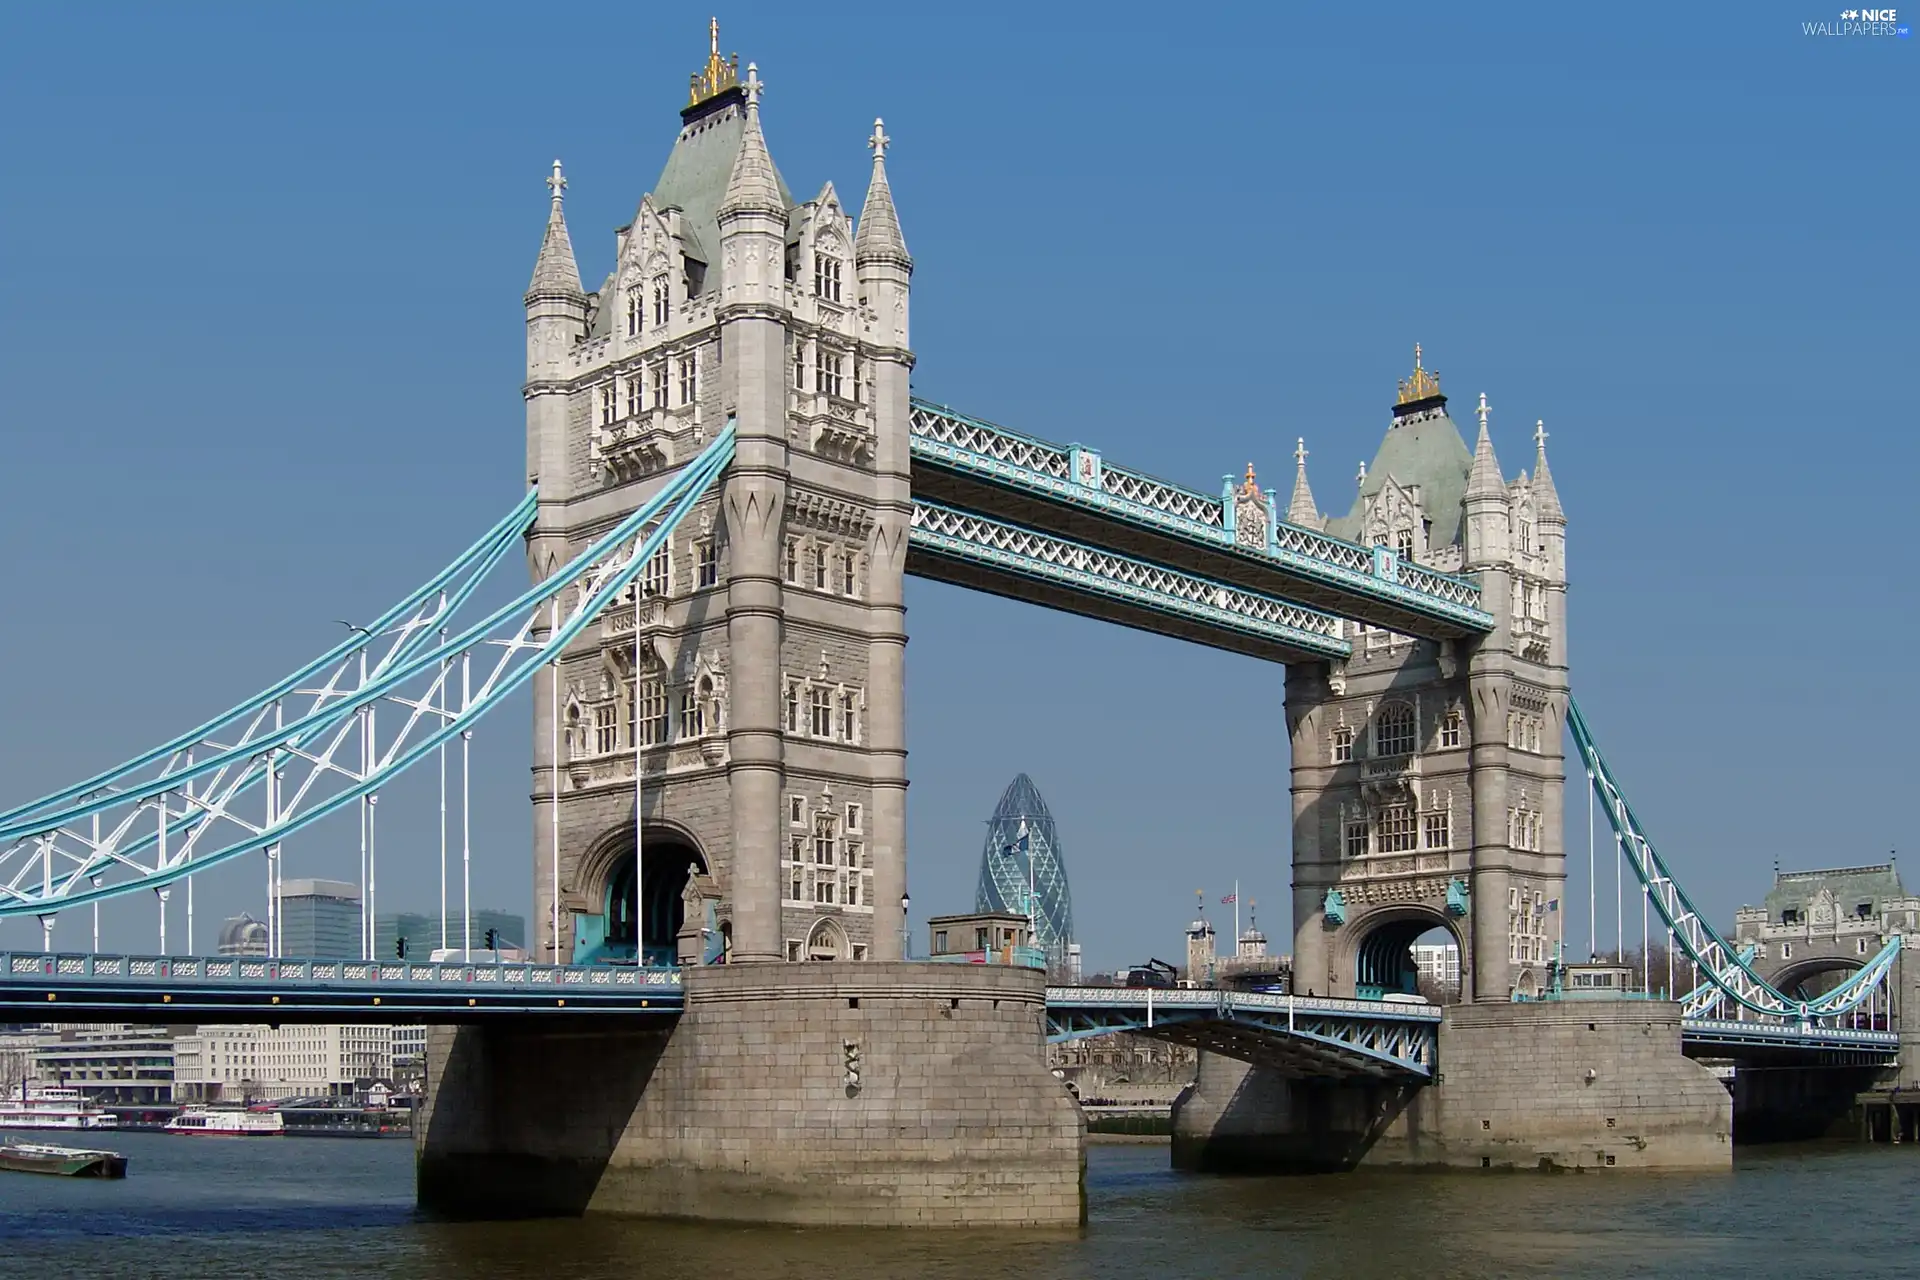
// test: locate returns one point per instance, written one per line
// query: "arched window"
(1342, 743)
(574, 743)
(824, 942)
(1403, 545)
(1393, 731)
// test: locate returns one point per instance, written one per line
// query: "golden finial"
(1424, 384)
(1249, 489)
(719, 75)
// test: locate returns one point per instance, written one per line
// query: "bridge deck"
(81, 988)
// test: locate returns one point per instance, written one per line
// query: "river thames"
(315, 1208)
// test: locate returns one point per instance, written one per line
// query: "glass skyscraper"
(1022, 848)
(320, 919)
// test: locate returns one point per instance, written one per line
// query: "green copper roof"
(695, 179)
(1850, 886)
(1422, 449)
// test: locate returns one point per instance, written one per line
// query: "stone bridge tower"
(1428, 776)
(753, 680)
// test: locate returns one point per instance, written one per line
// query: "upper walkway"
(1071, 492)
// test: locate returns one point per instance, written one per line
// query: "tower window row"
(1525, 732)
(649, 387)
(827, 712)
(651, 714)
(656, 579)
(820, 565)
(1526, 829)
(826, 865)
(660, 291)
(1527, 937)
(1397, 828)
(818, 367)
(1395, 733)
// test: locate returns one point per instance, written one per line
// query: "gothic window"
(693, 722)
(791, 565)
(1403, 545)
(849, 718)
(636, 395)
(575, 743)
(799, 365)
(797, 813)
(826, 371)
(635, 309)
(796, 886)
(853, 900)
(652, 713)
(662, 300)
(819, 567)
(607, 404)
(1356, 837)
(820, 708)
(1450, 729)
(824, 842)
(793, 947)
(707, 556)
(1396, 829)
(1438, 831)
(606, 731)
(689, 379)
(848, 580)
(657, 578)
(854, 815)
(793, 706)
(1342, 743)
(657, 379)
(826, 277)
(1525, 828)
(1393, 731)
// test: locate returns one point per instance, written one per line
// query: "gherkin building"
(1022, 839)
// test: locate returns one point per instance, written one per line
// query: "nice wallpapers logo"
(1861, 22)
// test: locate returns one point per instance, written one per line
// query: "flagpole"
(1236, 917)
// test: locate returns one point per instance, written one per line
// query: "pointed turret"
(1546, 500)
(1484, 481)
(1489, 533)
(555, 273)
(1300, 508)
(879, 235)
(753, 186)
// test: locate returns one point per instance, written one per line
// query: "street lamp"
(906, 930)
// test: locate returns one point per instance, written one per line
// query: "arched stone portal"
(1814, 976)
(639, 920)
(1379, 949)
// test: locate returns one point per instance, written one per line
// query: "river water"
(309, 1208)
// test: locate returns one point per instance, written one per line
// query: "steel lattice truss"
(947, 439)
(1731, 983)
(1298, 1036)
(976, 539)
(336, 730)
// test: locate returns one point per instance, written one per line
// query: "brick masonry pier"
(1575, 1085)
(744, 1110)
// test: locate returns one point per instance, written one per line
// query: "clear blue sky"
(261, 344)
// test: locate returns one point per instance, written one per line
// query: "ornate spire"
(1300, 509)
(1484, 480)
(879, 231)
(1248, 489)
(719, 75)
(1419, 389)
(1546, 499)
(555, 270)
(752, 184)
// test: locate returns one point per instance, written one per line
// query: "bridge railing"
(42, 968)
(1225, 1000)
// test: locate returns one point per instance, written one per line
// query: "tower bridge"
(730, 479)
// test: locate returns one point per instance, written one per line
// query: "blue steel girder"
(99, 988)
(1780, 1043)
(979, 466)
(1300, 1037)
(971, 550)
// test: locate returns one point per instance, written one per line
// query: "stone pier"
(744, 1109)
(1575, 1085)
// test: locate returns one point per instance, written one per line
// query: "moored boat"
(65, 1162)
(50, 1107)
(227, 1122)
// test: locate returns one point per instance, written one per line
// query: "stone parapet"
(745, 1110)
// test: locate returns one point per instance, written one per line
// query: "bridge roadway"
(1298, 1035)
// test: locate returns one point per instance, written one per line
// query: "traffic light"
(493, 939)
(400, 948)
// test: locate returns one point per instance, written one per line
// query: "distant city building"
(1200, 952)
(268, 1064)
(1022, 848)
(422, 931)
(109, 1063)
(319, 919)
(1438, 963)
(242, 935)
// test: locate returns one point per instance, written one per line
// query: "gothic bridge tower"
(752, 681)
(1428, 776)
